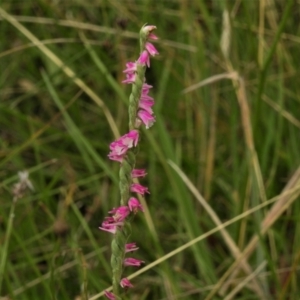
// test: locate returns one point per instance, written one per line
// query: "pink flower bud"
(120, 213)
(109, 227)
(146, 105)
(138, 173)
(151, 49)
(144, 59)
(148, 29)
(147, 87)
(146, 118)
(125, 283)
(130, 247)
(109, 295)
(152, 36)
(130, 139)
(114, 157)
(119, 147)
(134, 205)
(130, 67)
(130, 78)
(132, 262)
(144, 96)
(137, 188)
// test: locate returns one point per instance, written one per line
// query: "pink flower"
(130, 78)
(152, 36)
(110, 224)
(120, 209)
(135, 205)
(109, 220)
(125, 283)
(151, 49)
(144, 96)
(120, 213)
(115, 157)
(146, 105)
(146, 118)
(130, 139)
(110, 227)
(137, 188)
(130, 67)
(144, 59)
(130, 247)
(138, 173)
(146, 87)
(119, 147)
(148, 29)
(132, 262)
(110, 295)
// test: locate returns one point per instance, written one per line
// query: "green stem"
(117, 257)
(125, 175)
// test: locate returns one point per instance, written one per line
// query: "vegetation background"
(222, 158)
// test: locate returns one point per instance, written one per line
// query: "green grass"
(222, 219)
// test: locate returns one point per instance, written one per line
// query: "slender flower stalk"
(124, 151)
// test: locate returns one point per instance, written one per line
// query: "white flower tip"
(147, 29)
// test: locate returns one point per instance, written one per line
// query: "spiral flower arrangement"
(124, 151)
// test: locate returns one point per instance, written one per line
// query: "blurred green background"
(226, 86)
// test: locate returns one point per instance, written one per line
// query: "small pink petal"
(144, 59)
(114, 157)
(130, 247)
(120, 209)
(152, 36)
(146, 117)
(120, 213)
(146, 97)
(109, 295)
(112, 229)
(125, 283)
(147, 87)
(135, 205)
(138, 173)
(130, 67)
(130, 78)
(132, 262)
(137, 188)
(118, 148)
(146, 105)
(110, 225)
(130, 139)
(151, 49)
